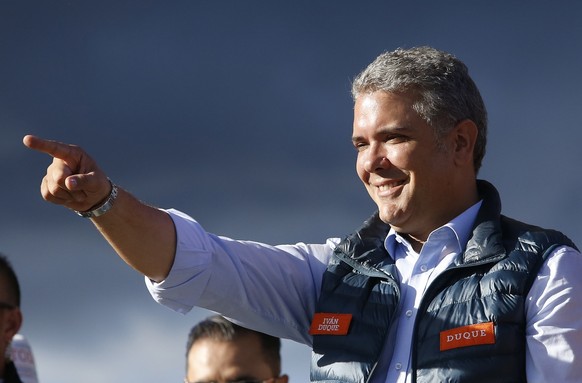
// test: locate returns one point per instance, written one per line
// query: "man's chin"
(392, 217)
(387, 217)
(384, 219)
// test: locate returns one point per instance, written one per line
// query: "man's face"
(10, 320)
(228, 361)
(405, 172)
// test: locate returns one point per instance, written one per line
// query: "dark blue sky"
(239, 113)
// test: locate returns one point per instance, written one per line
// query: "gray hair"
(445, 93)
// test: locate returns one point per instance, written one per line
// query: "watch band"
(104, 207)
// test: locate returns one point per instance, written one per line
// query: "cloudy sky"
(239, 113)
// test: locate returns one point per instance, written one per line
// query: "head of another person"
(10, 314)
(420, 130)
(220, 351)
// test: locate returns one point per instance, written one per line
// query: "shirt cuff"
(191, 261)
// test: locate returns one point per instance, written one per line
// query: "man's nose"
(376, 159)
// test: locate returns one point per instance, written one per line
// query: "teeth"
(386, 187)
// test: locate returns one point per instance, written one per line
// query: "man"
(10, 318)
(221, 351)
(437, 286)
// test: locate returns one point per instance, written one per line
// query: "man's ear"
(464, 135)
(282, 379)
(12, 324)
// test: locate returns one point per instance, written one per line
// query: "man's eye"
(396, 139)
(360, 146)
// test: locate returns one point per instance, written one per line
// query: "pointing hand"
(73, 179)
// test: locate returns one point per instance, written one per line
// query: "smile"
(388, 186)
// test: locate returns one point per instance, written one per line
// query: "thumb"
(94, 185)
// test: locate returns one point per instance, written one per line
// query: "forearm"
(143, 236)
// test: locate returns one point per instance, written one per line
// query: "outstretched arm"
(143, 236)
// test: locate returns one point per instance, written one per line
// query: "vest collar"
(486, 243)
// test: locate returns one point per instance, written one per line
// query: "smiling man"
(419, 181)
(437, 285)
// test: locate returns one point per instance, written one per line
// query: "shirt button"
(408, 313)
(423, 268)
(398, 366)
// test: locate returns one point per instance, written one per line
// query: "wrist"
(102, 208)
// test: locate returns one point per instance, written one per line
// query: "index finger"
(55, 149)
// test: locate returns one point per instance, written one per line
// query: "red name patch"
(472, 335)
(330, 324)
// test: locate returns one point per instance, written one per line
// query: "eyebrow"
(384, 130)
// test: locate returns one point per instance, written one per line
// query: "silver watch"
(104, 207)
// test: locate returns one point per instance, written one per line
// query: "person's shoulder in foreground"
(10, 319)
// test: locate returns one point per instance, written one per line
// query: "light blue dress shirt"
(274, 289)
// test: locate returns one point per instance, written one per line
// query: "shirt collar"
(460, 227)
